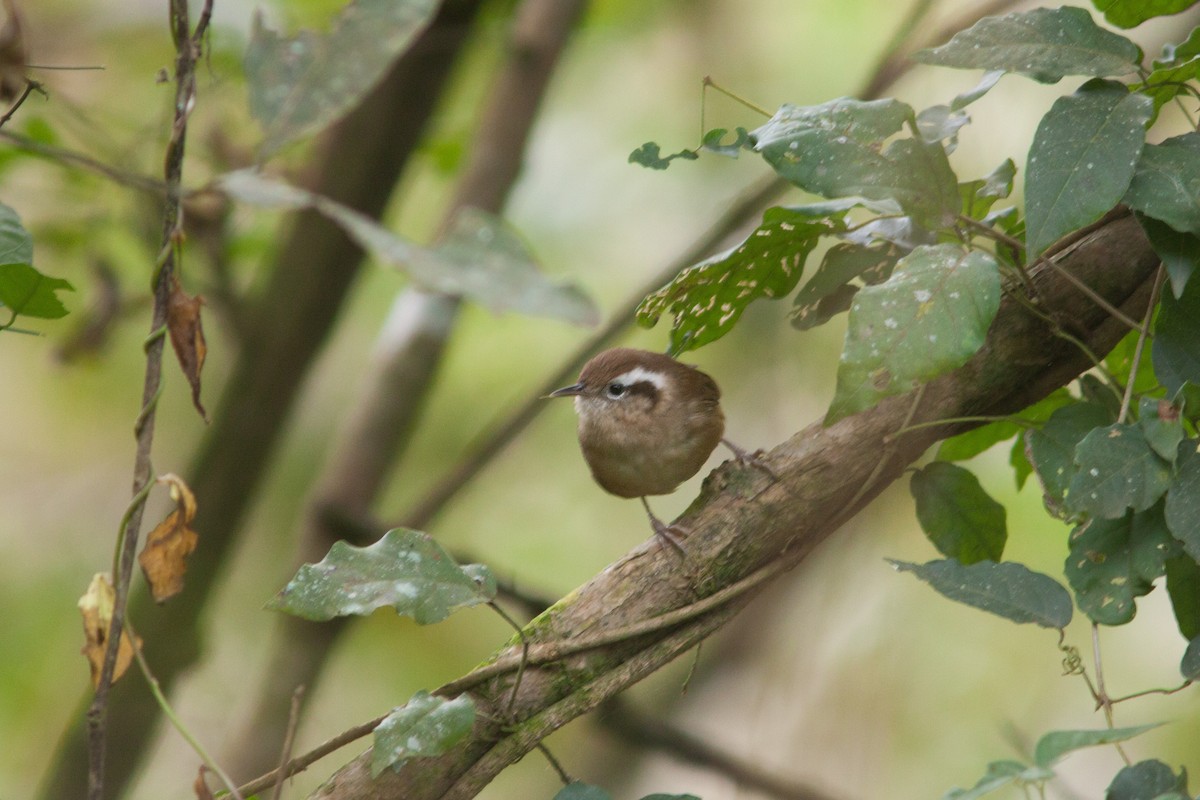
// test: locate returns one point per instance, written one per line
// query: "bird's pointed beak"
(566, 391)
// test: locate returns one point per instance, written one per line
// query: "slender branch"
(64, 156)
(144, 430)
(289, 739)
(303, 762)
(30, 87)
(1143, 335)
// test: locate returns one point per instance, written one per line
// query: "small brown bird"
(647, 423)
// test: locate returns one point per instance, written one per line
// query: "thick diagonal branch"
(742, 523)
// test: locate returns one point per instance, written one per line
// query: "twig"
(128, 536)
(1102, 697)
(562, 773)
(1143, 334)
(289, 739)
(30, 86)
(64, 156)
(303, 762)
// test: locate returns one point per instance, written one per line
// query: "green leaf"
(713, 142)
(16, 245)
(1170, 75)
(978, 196)
(1082, 159)
(1056, 744)
(1045, 44)
(957, 515)
(1190, 664)
(25, 291)
(1146, 780)
(301, 84)
(1183, 586)
(1179, 252)
(406, 570)
(1176, 346)
(1166, 183)
(650, 155)
(1009, 590)
(1116, 469)
(829, 291)
(975, 441)
(480, 258)
(577, 790)
(1131, 13)
(1183, 498)
(1018, 459)
(1113, 561)
(707, 299)
(1052, 448)
(928, 318)
(1161, 425)
(424, 726)
(837, 150)
(999, 774)
(1120, 362)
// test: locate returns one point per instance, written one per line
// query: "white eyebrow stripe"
(643, 375)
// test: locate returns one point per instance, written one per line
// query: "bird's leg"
(751, 459)
(664, 532)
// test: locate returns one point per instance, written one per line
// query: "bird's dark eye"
(616, 389)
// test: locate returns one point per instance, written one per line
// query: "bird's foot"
(668, 535)
(752, 459)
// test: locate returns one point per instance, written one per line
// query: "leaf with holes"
(1161, 425)
(1114, 561)
(650, 155)
(829, 290)
(957, 515)
(1009, 590)
(406, 570)
(707, 299)
(930, 317)
(1045, 44)
(1082, 159)
(299, 85)
(1166, 183)
(424, 726)
(837, 150)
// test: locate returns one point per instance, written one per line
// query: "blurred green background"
(846, 676)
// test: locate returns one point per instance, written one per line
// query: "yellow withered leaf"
(96, 606)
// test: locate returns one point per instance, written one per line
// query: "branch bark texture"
(649, 607)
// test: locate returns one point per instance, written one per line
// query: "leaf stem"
(1143, 335)
(170, 714)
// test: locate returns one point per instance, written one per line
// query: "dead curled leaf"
(96, 606)
(187, 337)
(164, 557)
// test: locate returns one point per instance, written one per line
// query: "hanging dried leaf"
(13, 55)
(96, 605)
(187, 337)
(200, 786)
(164, 558)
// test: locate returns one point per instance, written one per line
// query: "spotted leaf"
(406, 570)
(928, 318)
(706, 299)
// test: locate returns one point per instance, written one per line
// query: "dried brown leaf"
(164, 557)
(96, 605)
(200, 786)
(187, 337)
